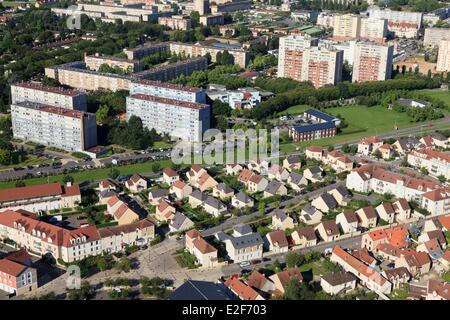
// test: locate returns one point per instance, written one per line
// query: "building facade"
(176, 22)
(169, 91)
(372, 62)
(443, 61)
(94, 62)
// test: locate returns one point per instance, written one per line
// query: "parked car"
(244, 264)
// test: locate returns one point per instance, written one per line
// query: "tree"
(113, 173)
(296, 290)
(441, 178)
(22, 184)
(156, 167)
(67, 178)
(124, 265)
(377, 154)
(85, 292)
(293, 260)
(195, 19)
(424, 171)
(103, 113)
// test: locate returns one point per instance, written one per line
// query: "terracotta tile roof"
(163, 205)
(401, 272)
(11, 268)
(36, 191)
(439, 288)
(21, 256)
(369, 212)
(397, 236)
(112, 201)
(203, 178)
(427, 140)
(307, 232)
(389, 249)
(287, 275)
(203, 246)
(256, 178)
(416, 259)
(126, 228)
(193, 233)
(314, 149)
(278, 238)
(196, 168)
(330, 227)
(445, 221)
(446, 255)
(179, 184)
(244, 291)
(364, 256)
(438, 194)
(170, 172)
(245, 175)
(135, 179)
(426, 153)
(370, 140)
(257, 280)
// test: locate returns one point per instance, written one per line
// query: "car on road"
(244, 264)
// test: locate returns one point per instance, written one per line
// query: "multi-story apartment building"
(401, 23)
(70, 130)
(43, 238)
(167, 90)
(372, 62)
(176, 22)
(201, 6)
(231, 6)
(433, 36)
(94, 62)
(437, 202)
(290, 55)
(443, 61)
(199, 50)
(212, 20)
(379, 180)
(180, 119)
(75, 74)
(52, 96)
(42, 197)
(322, 66)
(374, 29)
(173, 70)
(437, 163)
(16, 275)
(146, 50)
(325, 19)
(346, 26)
(244, 248)
(323, 126)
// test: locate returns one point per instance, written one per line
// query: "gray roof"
(338, 278)
(309, 209)
(107, 193)
(440, 137)
(225, 188)
(213, 202)
(178, 220)
(247, 240)
(293, 158)
(329, 200)
(241, 196)
(409, 143)
(315, 170)
(296, 178)
(273, 186)
(244, 229)
(280, 214)
(222, 236)
(159, 193)
(343, 191)
(200, 290)
(197, 194)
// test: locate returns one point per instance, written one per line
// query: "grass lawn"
(446, 276)
(92, 175)
(362, 121)
(186, 260)
(318, 267)
(30, 161)
(161, 144)
(400, 294)
(16, 3)
(439, 94)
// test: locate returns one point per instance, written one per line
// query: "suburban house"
(274, 188)
(437, 202)
(136, 183)
(180, 189)
(313, 174)
(281, 279)
(402, 210)
(310, 215)
(222, 191)
(121, 212)
(347, 221)
(315, 152)
(338, 282)
(328, 230)
(341, 195)
(397, 276)
(437, 140)
(367, 217)
(42, 197)
(368, 276)
(292, 162)
(281, 221)
(296, 181)
(155, 196)
(194, 174)
(241, 200)
(233, 169)
(244, 248)
(17, 276)
(241, 290)
(197, 198)
(260, 283)
(386, 151)
(325, 203)
(165, 211)
(278, 172)
(108, 185)
(304, 237)
(368, 145)
(432, 247)
(276, 241)
(405, 145)
(417, 263)
(214, 206)
(257, 183)
(386, 212)
(396, 236)
(170, 176)
(245, 176)
(258, 165)
(338, 161)
(205, 253)
(206, 182)
(180, 223)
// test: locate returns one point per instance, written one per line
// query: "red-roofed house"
(437, 202)
(164, 211)
(260, 283)
(276, 241)
(241, 290)
(205, 253)
(136, 183)
(170, 176)
(281, 279)
(417, 263)
(17, 278)
(180, 189)
(368, 145)
(436, 162)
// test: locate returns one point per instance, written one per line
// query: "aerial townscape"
(110, 112)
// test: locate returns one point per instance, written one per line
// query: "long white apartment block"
(167, 90)
(179, 119)
(52, 96)
(401, 23)
(71, 130)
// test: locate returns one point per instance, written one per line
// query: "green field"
(362, 121)
(92, 175)
(16, 3)
(439, 94)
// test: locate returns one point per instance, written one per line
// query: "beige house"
(402, 210)
(241, 200)
(222, 191)
(341, 195)
(281, 221)
(180, 189)
(368, 145)
(347, 221)
(367, 217)
(328, 230)
(180, 223)
(278, 172)
(338, 282)
(386, 212)
(206, 182)
(325, 203)
(256, 183)
(247, 247)
(417, 263)
(164, 211)
(292, 162)
(276, 241)
(304, 237)
(282, 279)
(120, 211)
(194, 174)
(310, 215)
(136, 183)
(108, 185)
(155, 196)
(274, 188)
(315, 152)
(170, 176)
(197, 198)
(258, 165)
(386, 151)
(17, 276)
(205, 253)
(214, 206)
(296, 181)
(313, 174)
(233, 169)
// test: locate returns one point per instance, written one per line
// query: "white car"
(245, 264)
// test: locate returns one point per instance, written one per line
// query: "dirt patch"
(414, 62)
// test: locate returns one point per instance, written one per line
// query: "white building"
(443, 61)
(373, 62)
(52, 96)
(401, 23)
(180, 119)
(69, 130)
(167, 90)
(437, 163)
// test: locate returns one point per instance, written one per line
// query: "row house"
(437, 163)
(120, 211)
(205, 253)
(369, 145)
